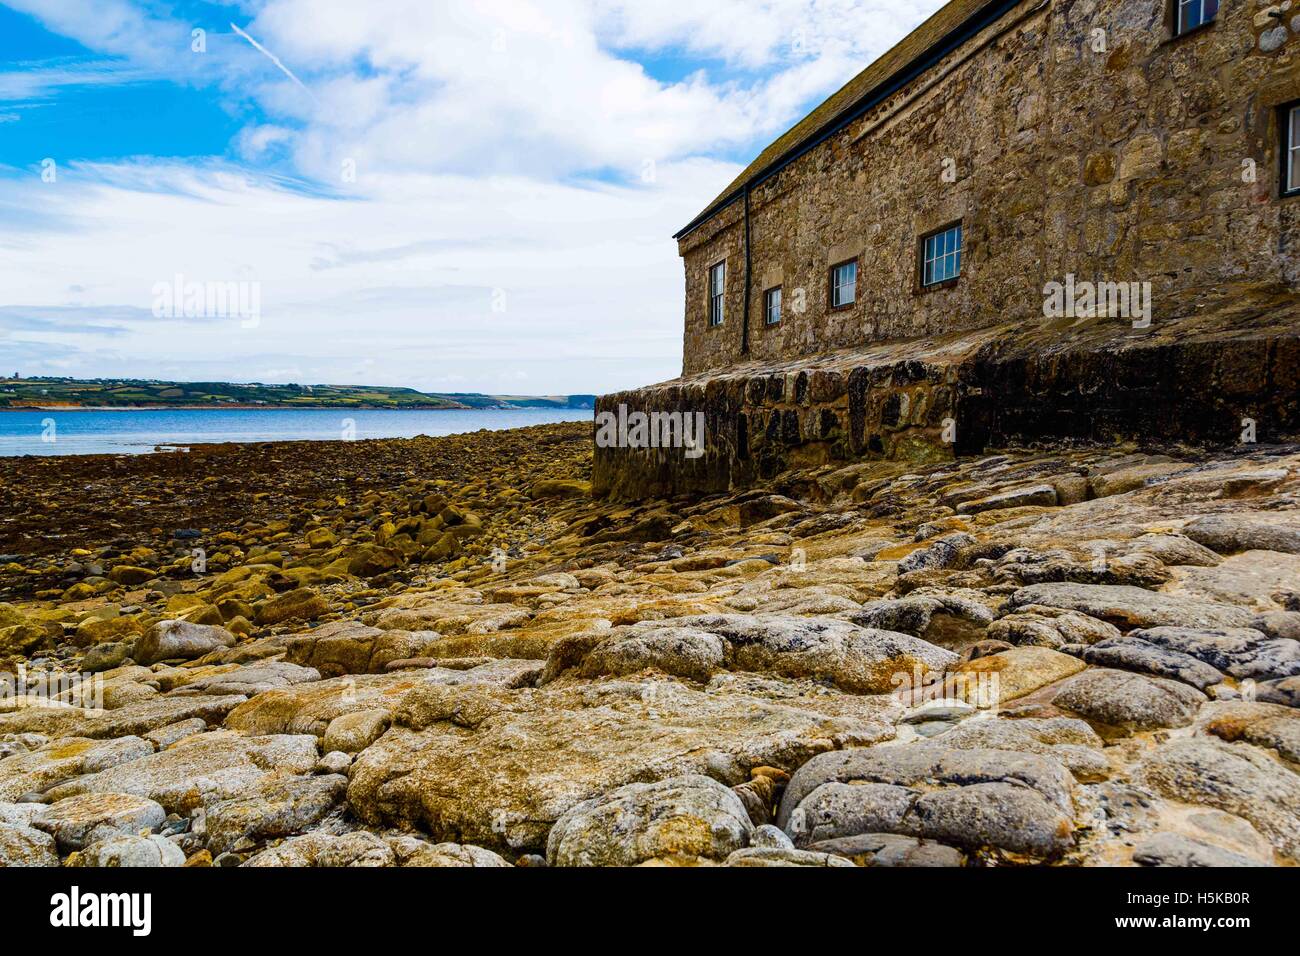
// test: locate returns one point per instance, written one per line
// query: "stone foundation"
(1202, 380)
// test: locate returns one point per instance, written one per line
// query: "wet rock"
(681, 820)
(1119, 701)
(180, 640)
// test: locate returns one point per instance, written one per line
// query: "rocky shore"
(444, 652)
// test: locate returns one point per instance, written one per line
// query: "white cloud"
(404, 272)
(496, 145)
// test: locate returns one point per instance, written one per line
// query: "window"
(941, 256)
(844, 284)
(1291, 150)
(717, 293)
(1193, 13)
(772, 306)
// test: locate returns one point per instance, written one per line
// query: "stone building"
(1033, 219)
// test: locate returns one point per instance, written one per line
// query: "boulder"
(300, 604)
(1070, 741)
(773, 856)
(1130, 607)
(327, 850)
(350, 647)
(76, 822)
(1175, 849)
(1134, 654)
(23, 846)
(1009, 675)
(452, 855)
(1234, 533)
(200, 771)
(497, 767)
(1240, 652)
(891, 850)
(1119, 702)
(977, 799)
(249, 680)
(1232, 777)
(51, 764)
(125, 850)
(180, 640)
(855, 659)
(279, 806)
(678, 820)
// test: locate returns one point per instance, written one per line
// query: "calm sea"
(141, 431)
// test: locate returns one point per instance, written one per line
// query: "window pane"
(941, 256)
(1295, 128)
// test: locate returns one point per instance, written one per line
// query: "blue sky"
(469, 196)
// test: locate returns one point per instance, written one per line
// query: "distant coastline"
(55, 394)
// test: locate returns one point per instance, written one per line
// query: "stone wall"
(1200, 379)
(1114, 156)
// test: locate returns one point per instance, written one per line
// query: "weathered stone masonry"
(1067, 137)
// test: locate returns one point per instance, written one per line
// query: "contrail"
(276, 60)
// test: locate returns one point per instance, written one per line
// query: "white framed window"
(1194, 13)
(717, 293)
(1291, 149)
(772, 306)
(844, 284)
(941, 256)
